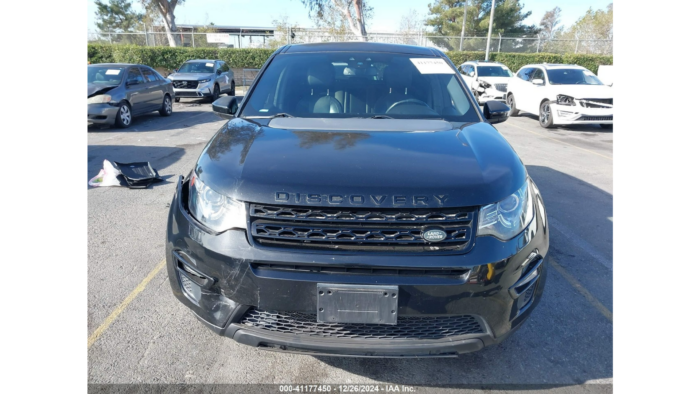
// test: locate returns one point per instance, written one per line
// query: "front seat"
(319, 99)
(398, 79)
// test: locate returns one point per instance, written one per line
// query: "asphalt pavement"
(139, 333)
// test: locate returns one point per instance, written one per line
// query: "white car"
(561, 94)
(487, 80)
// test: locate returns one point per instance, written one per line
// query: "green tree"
(355, 13)
(593, 32)
(166, 9)
(116, 16)
(445, 18)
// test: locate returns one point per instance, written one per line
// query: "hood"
(495, 80)
(584, 91)
(292, 166)
(94, 89)
(189, 76)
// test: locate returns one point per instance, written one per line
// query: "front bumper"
(491, 94)
(202, 90)
(574, 114)
(233, 287)
(102, 113)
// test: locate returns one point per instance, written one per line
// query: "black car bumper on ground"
(266, 296)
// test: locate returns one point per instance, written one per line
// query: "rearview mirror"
(496, 111)
(225, 107)
(538, 81)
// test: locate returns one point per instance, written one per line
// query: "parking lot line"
(106, 323)
(559, 141)
(585, 293)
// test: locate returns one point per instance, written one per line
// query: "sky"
(387, 13)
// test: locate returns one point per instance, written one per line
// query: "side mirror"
(496, 111)
(131, 82)
(225, 107)
(218, 72)
(538, 81)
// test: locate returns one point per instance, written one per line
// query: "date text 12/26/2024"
(346, 389)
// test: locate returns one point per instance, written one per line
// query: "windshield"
(566, 76)
(105, 75)
(369, 84)
(493, 71)
(197, 67)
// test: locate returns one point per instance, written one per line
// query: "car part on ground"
(118, 92)
(343, 218)
(561, 94)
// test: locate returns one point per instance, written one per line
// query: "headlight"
(204, 80)
(215, 210)
(508, 217)
(484, 84)
(99, 99)
(565, 100)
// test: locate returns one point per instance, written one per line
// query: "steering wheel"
(408, 101)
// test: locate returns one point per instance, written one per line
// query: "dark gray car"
(203, 78)
(118, 92)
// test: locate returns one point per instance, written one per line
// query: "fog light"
(526, 296)
(566, 114)
(191, 289)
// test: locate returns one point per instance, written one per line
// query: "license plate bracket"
(369, 304)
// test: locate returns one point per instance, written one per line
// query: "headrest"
(398, 76)
(321, 74)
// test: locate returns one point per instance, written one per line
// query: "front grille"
(185, 84)
(596, 118)
(407, 327)
(393, 230)
(501, 87)
(591, 103)
(374, 271)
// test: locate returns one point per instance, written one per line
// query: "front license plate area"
(357, 304)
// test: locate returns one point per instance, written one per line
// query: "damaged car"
(203, 78)
(118, 92)
(487, 80)
(372, 211)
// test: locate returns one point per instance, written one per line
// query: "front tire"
(215, 95)
(232, 92)
(546, 119)
(166, 109)
(510, 100)
(124, 116)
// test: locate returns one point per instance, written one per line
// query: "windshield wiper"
(282, 115)
(381, 117)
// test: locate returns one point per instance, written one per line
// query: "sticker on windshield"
(432, 66)
(210, 64)
(113, 72)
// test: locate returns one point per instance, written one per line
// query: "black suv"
(359, 203)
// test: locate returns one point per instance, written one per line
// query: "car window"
(572, 77)
(537, 74)
(134, 77)
(468, 68)
(493, 71)
(525, 73)
(197, 67)
(105, 75)
(149, 75)
(224, 67)
(348, 84)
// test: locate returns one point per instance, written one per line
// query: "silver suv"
(203, 78)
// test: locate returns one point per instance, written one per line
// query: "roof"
(483, 63)
(116, 64)
(201, 60)
(360, 46)
(550, 66)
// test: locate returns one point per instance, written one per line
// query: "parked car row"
(118, 91)
(559, 94)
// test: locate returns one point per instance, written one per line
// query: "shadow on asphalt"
(159, 156)
(180, 118)
(589, 128)
(565, 342)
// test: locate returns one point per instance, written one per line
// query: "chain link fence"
(522, 44)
